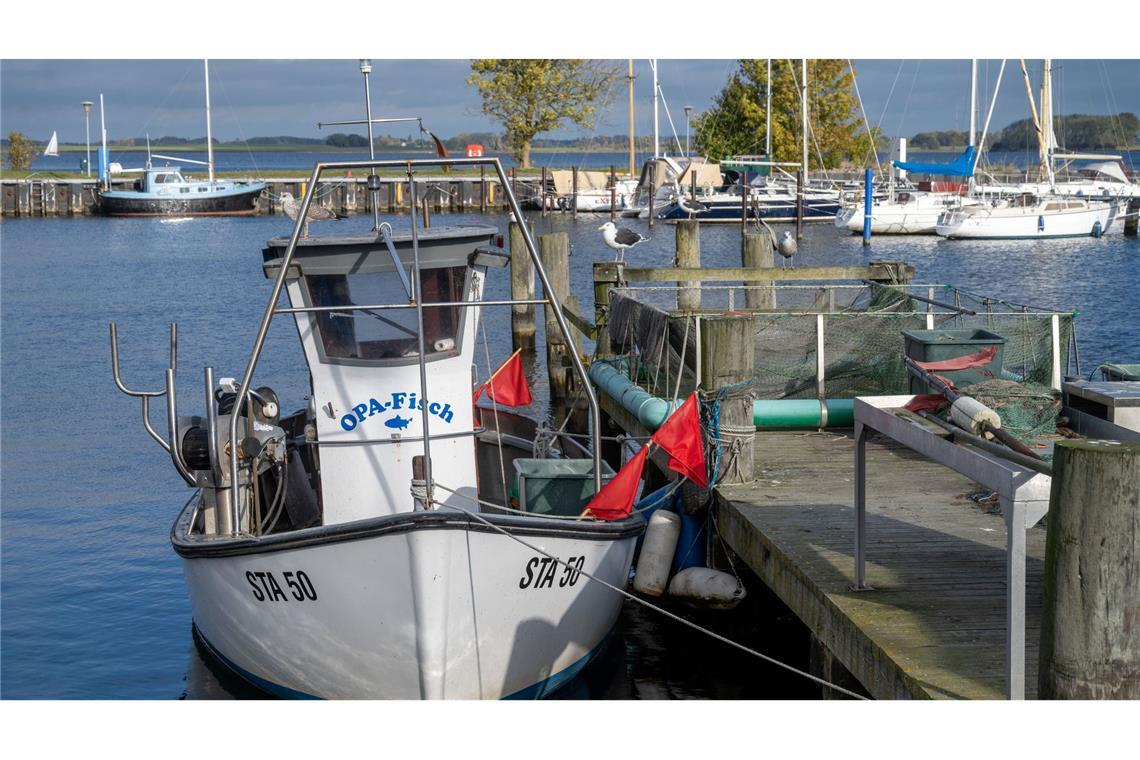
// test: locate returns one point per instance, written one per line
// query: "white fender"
(708, 587)
(657, 553)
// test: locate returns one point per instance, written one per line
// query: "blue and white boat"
(166, 191)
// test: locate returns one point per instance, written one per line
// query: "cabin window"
(387, 334)
(160, 178)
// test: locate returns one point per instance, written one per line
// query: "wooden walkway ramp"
(933, 624)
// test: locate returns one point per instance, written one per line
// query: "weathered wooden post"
(482, 189)
(688, 237)
(555, 253)
(1132, 221)
(652, 190)
(756, 253)
(607, 276)
(542, 193)
(613, 194)
(726, 361)
(522, 289)
(743, 203)
(574, 192)
(1090, 628)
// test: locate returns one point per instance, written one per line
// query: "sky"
(288, 97)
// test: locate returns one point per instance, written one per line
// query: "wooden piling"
(726, 361)
(555, 253)
(1132, 221)
(688, 238)
(1090, 630)
(607, 276)
(427, 214)
(522, 288)
(756, 253)
(574, 199)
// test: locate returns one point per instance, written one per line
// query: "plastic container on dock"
(557, 486)
(941, 345)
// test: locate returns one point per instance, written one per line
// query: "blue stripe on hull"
(539, 690)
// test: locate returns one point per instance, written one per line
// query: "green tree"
(736, 123)
(21, 151)
(532, 96)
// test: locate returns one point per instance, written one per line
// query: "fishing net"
(862, 327)
(1028, 411)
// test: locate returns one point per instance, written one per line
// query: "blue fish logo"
(398, 422)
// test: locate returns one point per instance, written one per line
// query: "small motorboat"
(390, 539)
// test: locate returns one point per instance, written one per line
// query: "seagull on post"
(316, 213)
(691, 206)
(787, 246)
(620, 238)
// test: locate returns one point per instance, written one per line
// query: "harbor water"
(94, 604)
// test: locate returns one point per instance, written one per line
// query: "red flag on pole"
(507, 385)
(615, 500)
(682, 438)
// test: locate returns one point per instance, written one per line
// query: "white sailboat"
(52, 148)
(1037, 214)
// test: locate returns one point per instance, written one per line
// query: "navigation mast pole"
(209, 134)
(973, 112)
(656, 148)
(1050, 138)
(365, 70)
(630, 78)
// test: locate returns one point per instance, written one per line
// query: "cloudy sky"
(274, 97)
(421, 58)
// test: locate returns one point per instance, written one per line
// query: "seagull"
(787, 246)
(316, 213)
(620, 238)
(691, 206)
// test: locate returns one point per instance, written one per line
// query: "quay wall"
(348, 195)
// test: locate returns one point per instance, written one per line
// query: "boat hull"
(1028, 224)
(768, 210)
(127, 203)
(426, 605)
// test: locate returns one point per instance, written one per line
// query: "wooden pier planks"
(934, 624)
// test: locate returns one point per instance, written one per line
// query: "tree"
(21, 151)
(532, 96)
(736, 123)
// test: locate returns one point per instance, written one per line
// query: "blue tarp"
(963, 166)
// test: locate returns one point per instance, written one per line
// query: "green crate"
(939, 345)
(557, 486)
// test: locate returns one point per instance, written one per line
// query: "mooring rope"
(671, 615)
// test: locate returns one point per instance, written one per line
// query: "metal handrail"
(279, 282)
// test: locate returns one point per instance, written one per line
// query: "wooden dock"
(933, 625)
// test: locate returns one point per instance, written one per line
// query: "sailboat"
(52, 148)
(916, 212)
(1042, 213)
(165, 191)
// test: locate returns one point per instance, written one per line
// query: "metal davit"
(409, 166)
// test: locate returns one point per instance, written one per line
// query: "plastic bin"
(940, 345)
(557, 486)
(1121, 372)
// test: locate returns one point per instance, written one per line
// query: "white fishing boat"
(368, 546)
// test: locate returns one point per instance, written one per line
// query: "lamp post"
(87, 118)
(688, 110)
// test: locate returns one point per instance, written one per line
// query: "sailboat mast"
(104, 171)
(804, 114)
(1050, 139)
(656, 147)
(768, 114)
(209, 134)
(1036, 121)
(973, 112)
(630, 78)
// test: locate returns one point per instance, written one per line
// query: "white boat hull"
(919, 216)
(1035, 222)
(415, 606)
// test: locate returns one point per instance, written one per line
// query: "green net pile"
(1028, 411)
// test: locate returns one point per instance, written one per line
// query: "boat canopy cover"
(707, 173)
(963, 166)
(587, 180)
